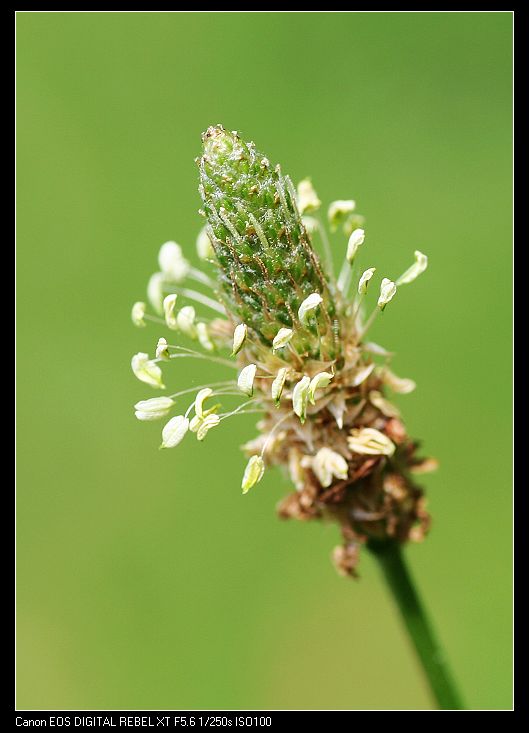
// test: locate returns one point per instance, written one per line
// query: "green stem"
(396, 573)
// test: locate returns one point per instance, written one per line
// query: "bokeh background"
(145, 580)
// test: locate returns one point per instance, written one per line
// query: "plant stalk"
(433, 661)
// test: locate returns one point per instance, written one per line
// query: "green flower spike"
(291, 338)
(267, 265)
(294, 339)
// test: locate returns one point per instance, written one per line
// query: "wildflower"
(269, 301)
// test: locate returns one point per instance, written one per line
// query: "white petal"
(162, 352)
(319, 381)
(245, 380)
(150, 416)
(282, 338)
(397, 384)
(385, 407)
(172, 263)
(278, 384)
(199, 400)
(368, 441)
(387, 292)
(155, 291)
(137, 314)
(207, 423)
(327, 464)
(307, 198)
(146, 370)
(253, 473)
(185, 321)
(413, 272)
(356, 239)
(364, 280)
(156, 404)
(174, 431)
(203, 337)
(169, 303)
(204, 247)
(338, 210)
(362, 374)
(308, 305)
(239, 337)
(300, 397)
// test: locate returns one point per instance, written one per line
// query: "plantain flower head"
(290, 343)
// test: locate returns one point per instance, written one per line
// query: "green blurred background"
(145, 580)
